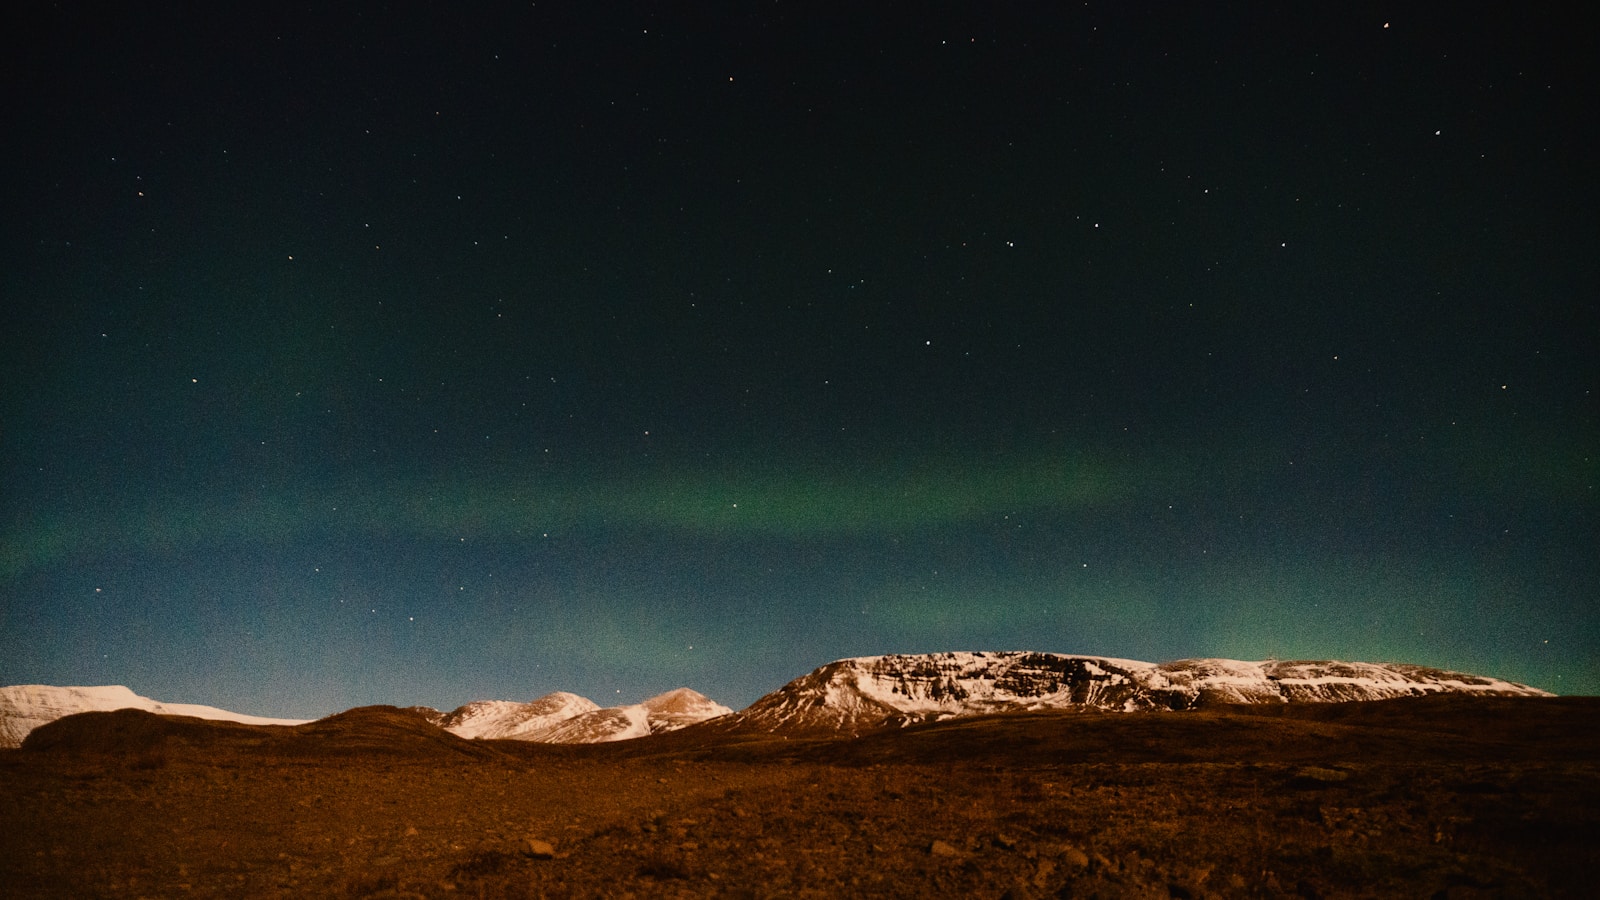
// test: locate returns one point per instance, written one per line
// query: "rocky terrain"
(1446, 795)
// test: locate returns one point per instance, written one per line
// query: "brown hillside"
(1431, 797)
(371, 731)
(381, 731)
(126, 732)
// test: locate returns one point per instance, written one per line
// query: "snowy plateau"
(851, 696)
(855, 695)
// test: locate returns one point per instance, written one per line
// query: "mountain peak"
(681, 706)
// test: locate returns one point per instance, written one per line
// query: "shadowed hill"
(383, 730)
(1458, 727)
(370, 731)
(1550, 722)
(126, 732)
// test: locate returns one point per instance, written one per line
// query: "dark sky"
(357, 354)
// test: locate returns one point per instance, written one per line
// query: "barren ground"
(1440, 797)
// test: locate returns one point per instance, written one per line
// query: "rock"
(1041, 877)
(942, 848)
(1073, 858)
(538, 849)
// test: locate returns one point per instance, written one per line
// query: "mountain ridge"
(558, 717)
(565, 718)
(854, 695)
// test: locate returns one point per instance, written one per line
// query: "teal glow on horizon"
(795, 505)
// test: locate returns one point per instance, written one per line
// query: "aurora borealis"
(398, 357)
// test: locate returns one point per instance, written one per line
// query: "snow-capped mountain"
(24, 707)
(559, 717)
(511, 719)
(851, 696)
(563, 718)
(855, 695)
(665, 712)
(678, 708)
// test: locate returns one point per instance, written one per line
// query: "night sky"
(354, 354)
